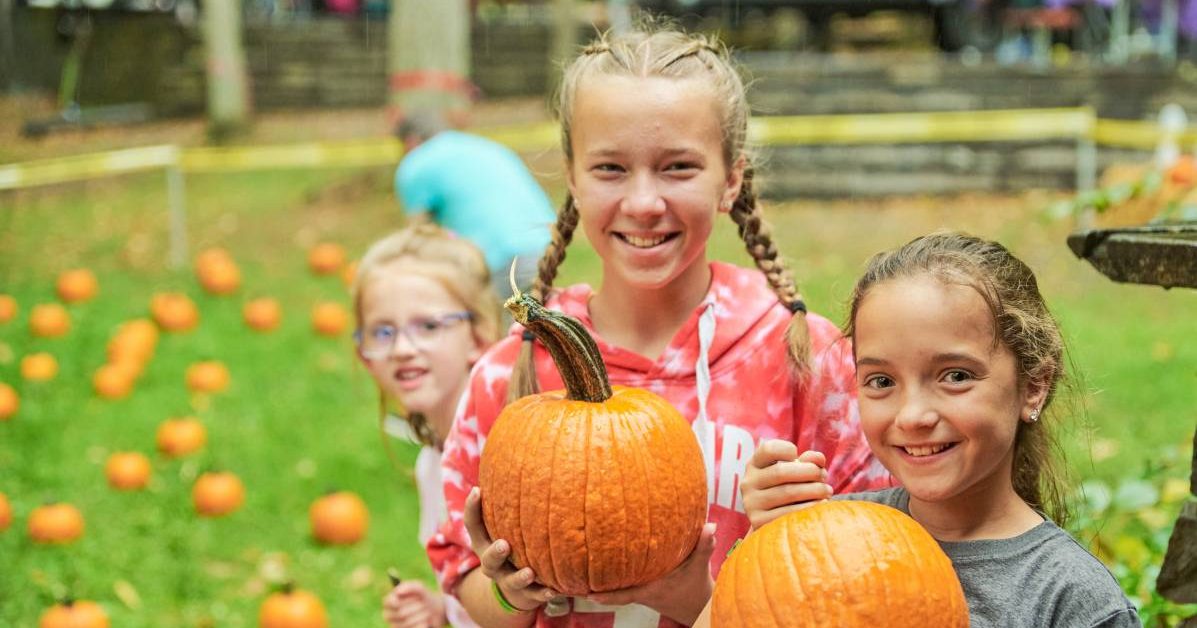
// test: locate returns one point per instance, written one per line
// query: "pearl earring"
(1034, 415)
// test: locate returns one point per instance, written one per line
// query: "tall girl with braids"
(653, 130)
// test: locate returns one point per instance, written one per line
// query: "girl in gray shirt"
(958, 361)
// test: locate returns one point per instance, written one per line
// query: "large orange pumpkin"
(49, 320)
(330, 319)
(262, 314)
(339, 518)
(179, 437)
(839, 563)
(74, 614)
(174, 311)
(127, 470)
(209, 376)
(292, 608)
(55, 523)
(10, 402)
(8, 308)
(39, 367)
(78, 285)
(219, 277)
(325, 258)
(595, 488)
(217, 493)
(5, 513)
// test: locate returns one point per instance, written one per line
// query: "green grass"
(300, 416)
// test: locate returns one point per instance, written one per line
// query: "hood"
(742, 306)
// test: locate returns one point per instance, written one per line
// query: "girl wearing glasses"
(425, 312)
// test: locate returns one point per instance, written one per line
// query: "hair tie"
(528, 336)
(796, 306)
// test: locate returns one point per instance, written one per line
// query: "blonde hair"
(453, 262)
(664, 52)
(1022, 323)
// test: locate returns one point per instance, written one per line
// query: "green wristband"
(507, 606)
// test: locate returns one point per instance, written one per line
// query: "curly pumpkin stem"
(573, 349)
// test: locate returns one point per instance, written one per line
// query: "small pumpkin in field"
(77, 285)
(5, 512)
(595, 487)
(325, 258)
(113, 381)
(217, 493)
(74, 614)
(174, 311)
(330, 319)
(262, 314)
(8, 308)
(10, 402)
(219, 277)
(49, 320)
(135, 339)
(127, 471)
(339, 518)
(179, 437)
(209, 376)
(212, 255)
(839, 563)
(55, 523)
(349, 274)
(292, 608)
(39, 367)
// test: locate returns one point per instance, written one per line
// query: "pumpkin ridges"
(785, 554)
(567, 502)
(639, 546)
(606, 512)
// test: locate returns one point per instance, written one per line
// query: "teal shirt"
(480, 190)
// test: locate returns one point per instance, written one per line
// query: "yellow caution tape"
(893, 128)
(77, 167)
(973, 126)
(355, 154)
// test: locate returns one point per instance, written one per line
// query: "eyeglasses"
(378, 341)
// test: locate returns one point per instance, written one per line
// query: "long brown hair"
(1022, 323)
(668, 53)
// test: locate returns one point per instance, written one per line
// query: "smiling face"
(648, 176)
(428, 377)
(939, 403)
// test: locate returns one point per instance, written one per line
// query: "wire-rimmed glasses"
(378, 341)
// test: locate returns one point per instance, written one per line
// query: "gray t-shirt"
(1039, 578)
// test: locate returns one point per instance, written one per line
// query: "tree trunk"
(228, 82)
(429, 57)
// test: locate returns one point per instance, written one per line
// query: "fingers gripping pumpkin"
(847, 564)
(596, 488)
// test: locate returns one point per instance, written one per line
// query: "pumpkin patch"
(127, 471)
(217, 493)
(339, 518)
(182, 436)
(596, 488)
(74, 614)
(839, 563)
(49, 320)
(76, 286)
(55, 523)
(292, 608)
(10, 402)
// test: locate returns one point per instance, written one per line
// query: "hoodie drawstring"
(702, 373)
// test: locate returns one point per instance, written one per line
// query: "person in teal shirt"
(476, 188)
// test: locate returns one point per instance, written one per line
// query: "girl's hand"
(518, 586)
(778, 481)
(681, 594)
(411, 605)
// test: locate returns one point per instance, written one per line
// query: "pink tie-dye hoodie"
(733, 349)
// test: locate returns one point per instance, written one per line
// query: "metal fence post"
(176, 199)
